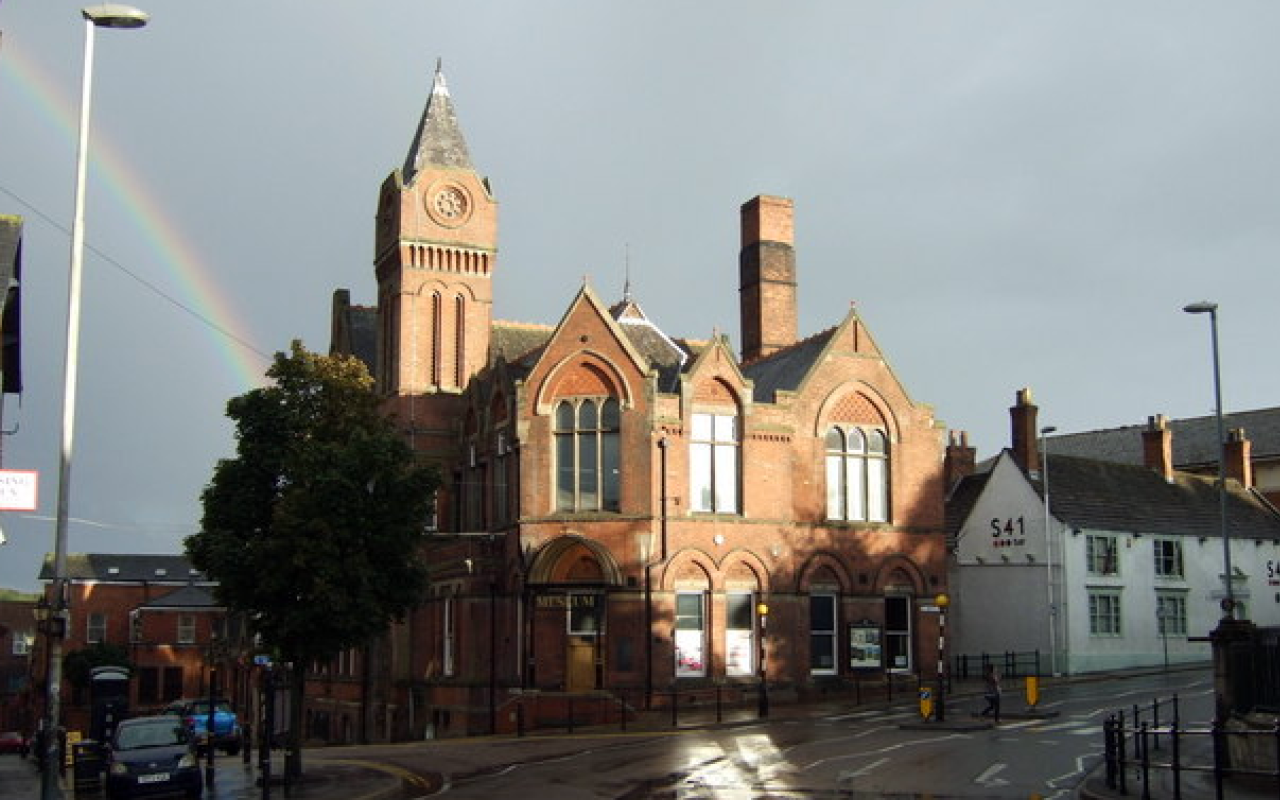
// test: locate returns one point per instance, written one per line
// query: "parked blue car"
(227, 735)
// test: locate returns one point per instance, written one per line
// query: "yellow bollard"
(1033, 691)
(926, 704)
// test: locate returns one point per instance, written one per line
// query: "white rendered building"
(1122, 567)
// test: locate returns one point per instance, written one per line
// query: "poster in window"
(738, 644)
(689, 656)
(864, 647)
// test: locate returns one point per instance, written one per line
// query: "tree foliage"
(78, 665)
(313, 528)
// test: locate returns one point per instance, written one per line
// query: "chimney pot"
(1024, 445)
(1157, 446)
(1239, 455)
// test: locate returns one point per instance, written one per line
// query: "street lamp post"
(942, 601)
(107, 15)
(1229, 600)
(762, 611)
(1048, 549)
(211, 722)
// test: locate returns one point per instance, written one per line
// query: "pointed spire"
(438, 141)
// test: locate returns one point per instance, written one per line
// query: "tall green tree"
(79, 664)
(313, 529)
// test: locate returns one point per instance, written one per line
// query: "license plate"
(157, 777)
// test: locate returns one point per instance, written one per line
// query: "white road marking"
(1092, 730)
(858, 773)
(988, 777)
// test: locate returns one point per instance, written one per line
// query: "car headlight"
(187, 761)
(119, 769)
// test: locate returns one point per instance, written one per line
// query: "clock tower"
(435, 251)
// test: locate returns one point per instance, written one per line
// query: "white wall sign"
(18, 489)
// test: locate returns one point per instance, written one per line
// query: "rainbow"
(229, 333)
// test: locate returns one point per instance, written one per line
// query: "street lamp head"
(113, 15)
(1048, 429)
(1202, 307)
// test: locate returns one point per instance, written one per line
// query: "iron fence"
(1009, 664)
(1152, 739)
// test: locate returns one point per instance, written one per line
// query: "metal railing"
(1152, 738)
(681, 706)
(1009, 664)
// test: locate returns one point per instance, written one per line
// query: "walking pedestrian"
(991, 690)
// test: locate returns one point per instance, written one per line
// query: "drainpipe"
(648, 573)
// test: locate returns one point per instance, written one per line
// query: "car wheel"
(196, 791)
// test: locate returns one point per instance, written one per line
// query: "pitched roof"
(190, 597)
(963, 497)
(663, 353)
(1104, 495)
(123, 567)
(517, 342)
(1195, 439)
(438, 141)
(785, 369)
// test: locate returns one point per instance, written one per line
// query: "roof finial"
(438, 85)
(626, 286)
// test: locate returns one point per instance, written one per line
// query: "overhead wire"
(139, 279)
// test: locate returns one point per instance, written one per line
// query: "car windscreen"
(166, 734)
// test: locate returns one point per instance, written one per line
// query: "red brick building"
(17, 640)
(627, 511)
(159, 610)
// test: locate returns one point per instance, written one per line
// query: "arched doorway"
(569, 583)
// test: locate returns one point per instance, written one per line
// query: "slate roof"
(964, 495)
(123, 567)
(517, 342)
(438, 140)
(362, 327)
(1195, 440)
(192, 597)
(1104, 495)
(663, 353)
(786, 368)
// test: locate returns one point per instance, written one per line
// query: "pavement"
(340, 773)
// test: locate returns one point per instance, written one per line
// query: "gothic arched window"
(587, 463)
(857, 474)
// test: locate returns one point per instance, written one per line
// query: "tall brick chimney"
(767, 276)
(1024, 444)
(960, 458)
(1239, 454)
(1157, 446)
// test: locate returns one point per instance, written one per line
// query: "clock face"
(448, 204)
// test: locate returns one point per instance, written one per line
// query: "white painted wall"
(1000, 580)
(1000, 573)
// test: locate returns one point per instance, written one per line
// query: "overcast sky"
(1013, 193)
